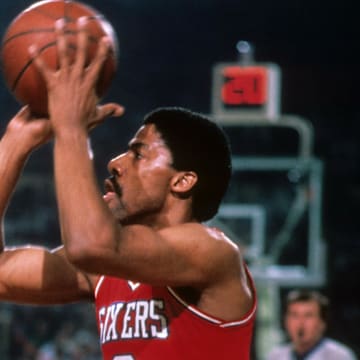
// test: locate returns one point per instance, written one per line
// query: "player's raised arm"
(73, 108)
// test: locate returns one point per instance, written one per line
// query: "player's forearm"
(84, 217)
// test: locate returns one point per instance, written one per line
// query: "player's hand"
(72, 98)
(27, 131)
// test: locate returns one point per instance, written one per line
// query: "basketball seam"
(6, 41)
(26, 66)
(42, 49)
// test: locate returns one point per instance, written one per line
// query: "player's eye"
(137, 155)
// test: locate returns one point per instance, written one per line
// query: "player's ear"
(183, 181)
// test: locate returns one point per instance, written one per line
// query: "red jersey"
(142, 322)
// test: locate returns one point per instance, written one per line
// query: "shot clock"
(246, 90)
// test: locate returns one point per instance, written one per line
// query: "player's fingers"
(24, 112)
(111, 110)
(105, 111)
(36, 58)
(99, 59)
(82, 43)
(61, 43)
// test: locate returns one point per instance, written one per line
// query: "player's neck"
(160, 220)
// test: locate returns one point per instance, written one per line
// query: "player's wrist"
(15, 145)
(71, 135)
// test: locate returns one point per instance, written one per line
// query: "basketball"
(36, 25)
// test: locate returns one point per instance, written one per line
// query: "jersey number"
(123, 357)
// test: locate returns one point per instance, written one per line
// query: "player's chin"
(115, 206)
(110, 196)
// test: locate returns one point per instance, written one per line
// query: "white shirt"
(328, 349)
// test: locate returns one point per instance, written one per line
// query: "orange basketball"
(36, 25)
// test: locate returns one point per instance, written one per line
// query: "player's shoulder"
(221, 238)
(204, 240)
(214, 234)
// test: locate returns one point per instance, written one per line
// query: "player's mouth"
(111, 186)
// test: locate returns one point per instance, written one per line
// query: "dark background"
(167, 51)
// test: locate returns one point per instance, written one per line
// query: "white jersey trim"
(97, 288)
(209, 318)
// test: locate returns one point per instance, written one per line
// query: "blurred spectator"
(52, 333)
(306, 317)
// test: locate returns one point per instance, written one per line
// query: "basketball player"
(305, 322)
(165, 285)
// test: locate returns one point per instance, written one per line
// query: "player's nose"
(116, 165)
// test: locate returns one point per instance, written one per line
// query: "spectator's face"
(304, 324)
